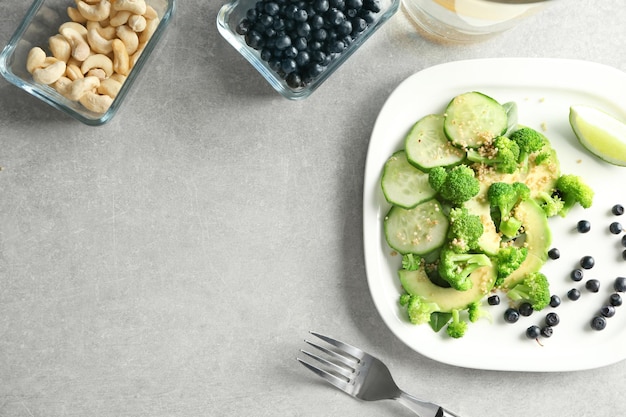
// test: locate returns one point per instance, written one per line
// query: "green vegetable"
(507, 260)
(455, 185)
(534, 288)
(503, 198)
(529, 141)
(411, 262)
(476, 311)
(502, 154)
(572, 190)
(457, 327)
(418, 309)
(465, 230)
(455, 268)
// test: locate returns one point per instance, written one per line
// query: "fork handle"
(423, 408)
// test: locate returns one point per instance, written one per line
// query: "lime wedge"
(600, 133)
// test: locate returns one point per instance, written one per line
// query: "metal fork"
(363, 376)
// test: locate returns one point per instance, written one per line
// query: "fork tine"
(351, 350)
(345, 371)
(348, 361)
(340, 383)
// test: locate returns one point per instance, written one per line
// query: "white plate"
(544, 89)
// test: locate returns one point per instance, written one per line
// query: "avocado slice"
(490, 240)
(537, 238)
(417, 283)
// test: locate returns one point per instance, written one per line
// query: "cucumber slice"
(419, 230)
(404, 185)
(427, 146)
(473, 119)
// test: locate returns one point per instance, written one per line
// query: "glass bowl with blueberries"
(297, 44)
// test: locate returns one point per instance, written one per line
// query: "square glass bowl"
(287, 19)
(43, 19)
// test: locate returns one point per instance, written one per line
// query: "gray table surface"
(171, 262)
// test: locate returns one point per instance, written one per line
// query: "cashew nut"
(150, 12)
(76, 26)
(73, 72)
(118, 77)
(133, 6)
(110, 87)
(98, 43)
(121, 59)
(60, 47)
(96, 12)
(107, 32)
(129, 37)
(82, 86)
(98, 73)
(49, 74)
(146, 34)
(98, 61)
(120, 18)
(75, 15)
(97, 103)
(137, 23)
(62, 85)
(36, 58)
(80, 48)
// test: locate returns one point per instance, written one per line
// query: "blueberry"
(293, 80)
(577, 275)
(282, 42)
(533, 332)
(598, 323)
(493, 300)
(244, 26)
(573, 294)
(301, 15)
(336, 47)
(615, 228)
(303, 58)
(617, 209)
(344, 28)
(587, 262)
(321, 6)
(368, 16)
(615, 299)
(624, 240)
(271, 8)
(266, 54)
(354, 4)
(624, 255)
(320, 34)
(583, 226)
(288, 65)
(547, 331)
(338, 4)
(552, 319)
(620, 284)
(290, 52)
(254, 39)
(525, 309)
(303, 29)
(373, 5)
(607, 311)
(511, 315)
(593, 285)
(554, 253)
(358, 25)
(555, 301)
(300, 43)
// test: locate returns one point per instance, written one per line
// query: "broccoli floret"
(502, 198)
(456, 328)
(465, 230)
(418, 309)
(411, 262)
(529, 141)
(502, 154)
(551, 204)
(534, 288)
(508, 259)
(476, 312)
(572, 190)
(455, 268)
(455, 185)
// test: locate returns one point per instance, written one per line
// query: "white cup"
(469, 20)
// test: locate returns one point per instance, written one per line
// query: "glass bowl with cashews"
(83, 56)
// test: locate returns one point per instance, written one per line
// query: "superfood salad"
(471, 192)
